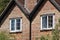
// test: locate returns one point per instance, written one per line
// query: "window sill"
(15, 31)
(46, 29)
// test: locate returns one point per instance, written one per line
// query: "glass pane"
(44, 22)
(18, 20)
(50, 21)
(18, 24)
(12, 21)
(12, 24)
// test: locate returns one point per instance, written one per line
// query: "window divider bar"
(15, 24)
(47, 22)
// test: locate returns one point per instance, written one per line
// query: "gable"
(10, 6)
(14, 13)
(28, 15)
(48, 6)
(56, 3)
(45, 8)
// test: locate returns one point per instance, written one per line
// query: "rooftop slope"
(3, 4)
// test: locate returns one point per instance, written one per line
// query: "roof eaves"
(55, 4)
(36, 8)
(6, 9)
(26, 13)
(9, 6)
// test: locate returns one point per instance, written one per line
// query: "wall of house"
(16, 12)
(36, 24)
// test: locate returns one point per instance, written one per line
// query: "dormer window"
(15, 25)
(47, 22)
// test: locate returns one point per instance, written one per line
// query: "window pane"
(12, 24)
(50, 21)
(18, 24)
(44, 22)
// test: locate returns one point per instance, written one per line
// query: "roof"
(21, 1)
(58, 1)
(27, 14)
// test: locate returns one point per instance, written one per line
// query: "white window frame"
(15, 26)
(47, 23)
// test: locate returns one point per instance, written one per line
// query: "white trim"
(15, 26)
(25, 4)
(36, 3)
(26, 7)
(53, 22)
(46, 29)
(41, 23)
(21, 25)
(47, 24)
(10, 25)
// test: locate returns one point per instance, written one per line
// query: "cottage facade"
(28, 19)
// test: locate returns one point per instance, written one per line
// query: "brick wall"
(36, 24)
(30, 4)
(16, 12)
